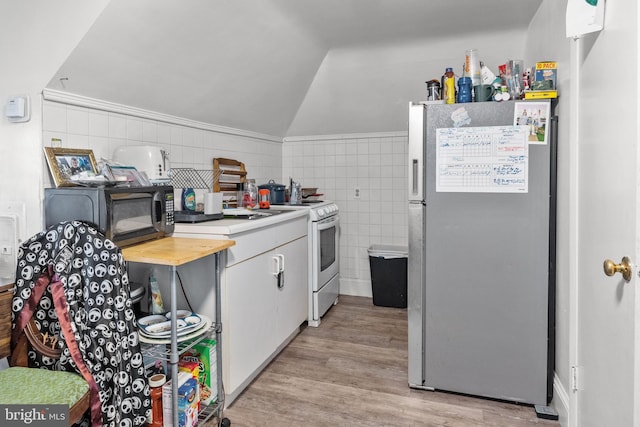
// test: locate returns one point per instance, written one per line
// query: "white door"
(250, 298)
(292, 298)
(607, 226)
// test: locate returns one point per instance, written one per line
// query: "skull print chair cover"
(74, 282)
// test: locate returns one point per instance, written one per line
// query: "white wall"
(546, 41)
(368, 88)
(375, 164)
(351, 90)
(103, 128)
(35, 39)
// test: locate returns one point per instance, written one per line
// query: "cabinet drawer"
(256, 242)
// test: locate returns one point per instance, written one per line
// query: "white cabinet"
(261, 316)
(292, 297)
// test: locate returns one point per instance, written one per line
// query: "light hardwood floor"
(352, 371)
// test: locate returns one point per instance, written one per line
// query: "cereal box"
(205, 354)
(192, 367)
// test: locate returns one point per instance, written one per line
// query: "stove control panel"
(325, 211)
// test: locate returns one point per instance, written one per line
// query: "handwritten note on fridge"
(492, 159)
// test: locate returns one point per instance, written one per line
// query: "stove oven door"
(326, 259)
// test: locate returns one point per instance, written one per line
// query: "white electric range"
(323, 253)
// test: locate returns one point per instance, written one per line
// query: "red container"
(263, 198)
(155, 383)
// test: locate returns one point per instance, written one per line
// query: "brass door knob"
(611, 268)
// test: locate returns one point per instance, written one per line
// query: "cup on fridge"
(483, 93)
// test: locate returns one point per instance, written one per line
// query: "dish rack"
(224, 178)
(194, 178)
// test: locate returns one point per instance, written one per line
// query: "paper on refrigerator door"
(492, 159)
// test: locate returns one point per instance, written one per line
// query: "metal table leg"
(173, 357)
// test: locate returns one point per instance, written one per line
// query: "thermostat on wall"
(17, 109)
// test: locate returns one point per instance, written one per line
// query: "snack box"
(546, 72)
(205, 354)
(191, 367)
(188, 401)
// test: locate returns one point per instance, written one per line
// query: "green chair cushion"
(20, 385)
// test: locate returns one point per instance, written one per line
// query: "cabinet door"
(251, 293)
(292, 298)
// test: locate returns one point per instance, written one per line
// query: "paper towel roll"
(212, 203)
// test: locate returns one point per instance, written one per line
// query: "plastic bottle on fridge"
(449, 86)
(472, 67)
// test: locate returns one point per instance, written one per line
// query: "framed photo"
(533, 115)
(70, 164)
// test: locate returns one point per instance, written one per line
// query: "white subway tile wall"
(373, 165)
(188, 147)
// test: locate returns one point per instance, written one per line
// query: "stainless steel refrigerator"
(481, 279)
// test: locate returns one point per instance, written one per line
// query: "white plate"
(180, 314)
(152, 320)
(165, 330)
(205, 325)
(179, 333)
(159, 326)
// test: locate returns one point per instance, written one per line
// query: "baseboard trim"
(560, 400)
(231, 396)
(355, 287)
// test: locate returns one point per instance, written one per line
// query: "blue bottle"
(188, 199)
(464, 89)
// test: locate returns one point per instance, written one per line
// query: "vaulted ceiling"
(251, 64)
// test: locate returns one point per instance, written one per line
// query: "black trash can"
(389, 275)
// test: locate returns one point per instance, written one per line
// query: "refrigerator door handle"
(416, 151)
(414, 187)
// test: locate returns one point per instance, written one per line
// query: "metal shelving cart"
(174, 252)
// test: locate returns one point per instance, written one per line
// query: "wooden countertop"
(174, 250)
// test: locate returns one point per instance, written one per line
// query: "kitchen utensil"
(309, 191)
(295, 189)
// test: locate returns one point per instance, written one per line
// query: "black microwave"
(126, 215)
